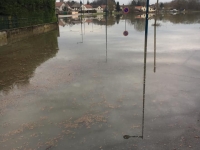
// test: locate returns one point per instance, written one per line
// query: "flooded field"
(90, 85)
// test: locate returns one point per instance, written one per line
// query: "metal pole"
(145, 57)
(106, 28)
(155, 25)
(157, 8)
(155, 44)
(125, 24)
(106, 6)
(81, 30)
(144, 75)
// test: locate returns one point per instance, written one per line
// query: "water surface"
(83, 87)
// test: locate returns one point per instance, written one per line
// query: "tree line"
(182, 4)
(174, 4)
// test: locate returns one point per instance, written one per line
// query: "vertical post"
(84, 8)
(147, 16)
(106, 27)
(155, 24)
(81, 9)
(81, 29)
(145, 57)
(125, 24)
(106, 7)
(157, 8)
(84, 26)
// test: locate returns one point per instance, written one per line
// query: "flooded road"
(83, 87)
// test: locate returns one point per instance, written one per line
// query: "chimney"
(61, 0)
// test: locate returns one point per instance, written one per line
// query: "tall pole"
(106, 27)
(156, 7)
(144, 75)
(145, 58)
(81, 10)
(82, 32)
(84, 7)
(106, 6)
(155, 25)
(155, 43)
(84, 26)
(125, 24)
(155, 46)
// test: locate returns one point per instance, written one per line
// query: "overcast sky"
(123, 1)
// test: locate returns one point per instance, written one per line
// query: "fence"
(9, 22)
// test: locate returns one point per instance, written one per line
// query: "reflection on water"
(19, 60)
(137, 20)
(182, 18)
(91, 93)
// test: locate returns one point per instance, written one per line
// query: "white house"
(143, 9)
(60, 6)
(86, 8)
(99, 9)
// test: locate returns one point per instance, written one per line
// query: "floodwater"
(90, 86)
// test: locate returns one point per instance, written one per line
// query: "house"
(87, 8)
(143, 9)
(99, 9)
(140, 8)
(76, 7)
(60, 6)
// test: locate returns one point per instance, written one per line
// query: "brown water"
(83, 87)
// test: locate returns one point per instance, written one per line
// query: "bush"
(25, 8)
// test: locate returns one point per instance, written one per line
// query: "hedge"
(25, 8)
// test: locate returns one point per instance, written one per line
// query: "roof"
(67, 5)
(95, 6)
(58, 4)
(103, 6)
(76, 5)
(88, 6)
